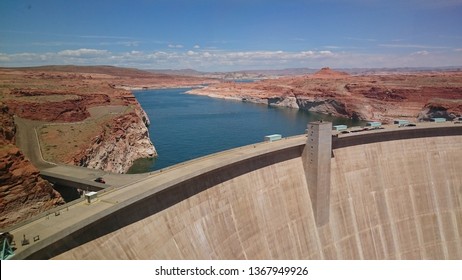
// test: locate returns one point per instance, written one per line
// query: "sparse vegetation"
(63, 141)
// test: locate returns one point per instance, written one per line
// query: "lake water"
(185, 126)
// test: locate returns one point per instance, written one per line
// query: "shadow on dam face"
(394, 199)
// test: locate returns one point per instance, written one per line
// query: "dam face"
(396, 199)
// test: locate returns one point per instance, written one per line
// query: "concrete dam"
(394, 193)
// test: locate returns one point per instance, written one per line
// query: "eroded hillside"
(84, 116)
(384, 97)
(23, 193)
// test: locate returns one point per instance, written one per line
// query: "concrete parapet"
(362, 138)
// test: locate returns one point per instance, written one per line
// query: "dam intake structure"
(394, 193)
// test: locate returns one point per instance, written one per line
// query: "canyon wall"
(329, 105)
(112, 123)
(316, 104)
(116, 148)
(78, 103)
(23, 193)
(413, 96)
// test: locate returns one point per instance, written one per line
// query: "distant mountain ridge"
(298, 71)
(241, 74)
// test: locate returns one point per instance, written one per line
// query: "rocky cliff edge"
(23, 193)
(78, 115)
(413, 96)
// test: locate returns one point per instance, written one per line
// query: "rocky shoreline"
(116, 149)
(83, 116)
(63, 97)
(318, 105)
(416, 97)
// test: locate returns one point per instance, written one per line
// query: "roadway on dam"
(58, 224)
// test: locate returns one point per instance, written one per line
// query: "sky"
(230, 35)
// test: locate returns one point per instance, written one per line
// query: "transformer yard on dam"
(390, 193)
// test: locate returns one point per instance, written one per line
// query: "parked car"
(100, 180)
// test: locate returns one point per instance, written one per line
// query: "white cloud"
(4, 57)
(197, 47)
(332, 47)
(128, 43)
(222, 60)
(361, 39)
(55, 44)
(411, 46)
(83, 53)
(102, 37)
(172, 46)
(420, 53)
(326, 53)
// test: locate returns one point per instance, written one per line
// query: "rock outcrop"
(284, 101)
(125, 140)
(368, 97)
(71, 109)
(66, 96)
(448, 109)
(110, 139)
(23, 193)
(328, 73)
(323, 106)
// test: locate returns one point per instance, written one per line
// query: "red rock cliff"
(23, 193)
(126, 135)
(414, 96)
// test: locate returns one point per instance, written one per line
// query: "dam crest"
(394, 193)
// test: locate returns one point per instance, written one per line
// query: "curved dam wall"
(395, 199)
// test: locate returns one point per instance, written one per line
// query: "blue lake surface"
(185, 126)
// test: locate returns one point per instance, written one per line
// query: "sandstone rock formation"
(414, 96)
(448, 109)
(116, 148)
(82, 96)
(328, 73)
(70, 108)
(73, 99)
(23, 193)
